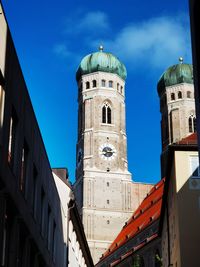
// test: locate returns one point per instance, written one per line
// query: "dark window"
(190, 124)
(110, 84)
(117, 87)
(103, 83)
(138, 261)
(179, 94)
(54, 241)
(94, 83)
(12, 138)
(87, 85)
(49, 229)
(172, 96)
(109, 115)
(34, 199)
(121, 90)
(106, 114)
(42, 210)
(194, 124)
(4, 237)
(158, 260)
(188, 94)
(108, 201)
(24, 164)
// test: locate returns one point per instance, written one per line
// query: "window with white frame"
(194, 166)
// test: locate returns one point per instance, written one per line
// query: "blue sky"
(51, 38)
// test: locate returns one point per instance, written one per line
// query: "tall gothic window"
(192, 124)
(106, 113)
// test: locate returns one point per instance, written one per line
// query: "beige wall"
(184, 214)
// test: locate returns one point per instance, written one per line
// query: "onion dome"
(101, 61)
(176, 74)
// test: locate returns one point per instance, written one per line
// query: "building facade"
(180, 210)
(31, 231)
(38, 217)
(138, 242)
(103, 188)
(195, 38)
(78, 253)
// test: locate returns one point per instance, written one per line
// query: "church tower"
(103, 183)
(177, 105)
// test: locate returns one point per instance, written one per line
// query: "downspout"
(168, 236)
(68, 219)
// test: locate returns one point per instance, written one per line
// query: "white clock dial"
(107, 151)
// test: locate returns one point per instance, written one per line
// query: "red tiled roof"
(189, 140)
(133, 250)
(148, 211)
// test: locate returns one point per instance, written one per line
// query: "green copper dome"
(179, 73)
(101, 61)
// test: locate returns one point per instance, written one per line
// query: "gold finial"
(181, 60)
(101, 48)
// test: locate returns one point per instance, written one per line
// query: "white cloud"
(157, 42)
(92, 22)
(61, 50)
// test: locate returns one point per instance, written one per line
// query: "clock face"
(107, 151)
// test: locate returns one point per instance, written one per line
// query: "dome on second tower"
(101, 61)
(176, 74)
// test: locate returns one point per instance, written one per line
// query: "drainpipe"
(168, 236)
(68, 219)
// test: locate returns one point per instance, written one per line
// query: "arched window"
(121, 90)
(172, 96)
(103, 83)
(192, 124)
(188, 94)
(87, 85)
(106, 113)
(179, 94)
(110, 84)
(94, 83)
(118, 87)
